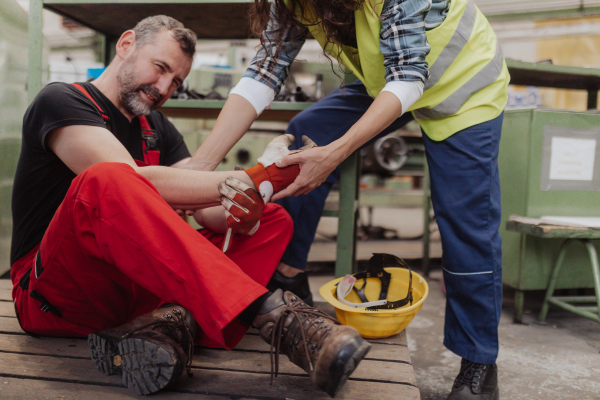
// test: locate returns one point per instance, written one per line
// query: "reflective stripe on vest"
(454, 47)
(485, 77)
(455, 101)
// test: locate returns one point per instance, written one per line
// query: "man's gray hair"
(146, 30)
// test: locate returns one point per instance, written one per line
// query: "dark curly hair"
(335, 16)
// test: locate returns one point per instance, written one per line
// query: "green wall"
(13, 103)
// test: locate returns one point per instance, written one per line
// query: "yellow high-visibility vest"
(468, 74)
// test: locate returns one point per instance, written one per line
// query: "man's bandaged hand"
(244, 206)
(269, 178)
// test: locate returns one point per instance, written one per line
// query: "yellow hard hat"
(380, 302)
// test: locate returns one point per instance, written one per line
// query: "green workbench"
(525, 163)
(572, 237)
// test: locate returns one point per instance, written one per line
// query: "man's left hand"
(244, 206)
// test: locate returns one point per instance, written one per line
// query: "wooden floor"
(52, 368)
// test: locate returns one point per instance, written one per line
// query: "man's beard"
(129, 91)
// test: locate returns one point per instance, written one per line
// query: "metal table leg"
(566, 302)
(426, 221)
(519, 302)
(347, 215)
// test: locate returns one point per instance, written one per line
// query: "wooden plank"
(391, 349)
(553, 231)
(46, 346)
(389, 359)
(251, 357)
(77, 347)
(6, 295)
(388, 363)
(7, 309)
(10, 325)
(211, 382)
(31, 388)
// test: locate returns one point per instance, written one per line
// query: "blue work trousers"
(465, 193)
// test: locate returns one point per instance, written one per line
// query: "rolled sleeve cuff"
(257, 93)
(408, 92)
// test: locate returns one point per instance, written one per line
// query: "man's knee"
(104, 176)
(115, 183)
(105, 171)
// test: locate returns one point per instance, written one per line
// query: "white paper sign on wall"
(572, 159)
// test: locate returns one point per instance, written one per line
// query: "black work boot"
(329, 353)
(149, 352)
(297, 285)
(475, 381)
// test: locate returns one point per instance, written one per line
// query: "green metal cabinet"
(523, 161)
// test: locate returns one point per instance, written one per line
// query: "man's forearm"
(187, 189)
(233, 122)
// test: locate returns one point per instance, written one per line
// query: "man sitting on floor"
(98, 249)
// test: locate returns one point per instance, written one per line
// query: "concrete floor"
(556, 360)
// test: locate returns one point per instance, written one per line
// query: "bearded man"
(99, 251)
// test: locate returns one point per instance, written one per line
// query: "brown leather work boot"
(149, 352)
(329, 353)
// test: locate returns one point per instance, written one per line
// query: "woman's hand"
(315, 166)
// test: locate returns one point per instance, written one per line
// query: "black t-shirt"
(42, 179)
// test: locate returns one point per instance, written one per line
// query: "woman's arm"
(317, 163)
(404, 46)
(260, 83)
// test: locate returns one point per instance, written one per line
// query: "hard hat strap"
(375, 270)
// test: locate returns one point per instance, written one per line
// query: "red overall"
(115, 250)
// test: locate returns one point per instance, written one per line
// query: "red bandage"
(272, 179)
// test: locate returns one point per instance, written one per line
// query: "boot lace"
(471, 375)
(170, 323)
(303, 313)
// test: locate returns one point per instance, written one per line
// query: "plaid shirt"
(403, 43)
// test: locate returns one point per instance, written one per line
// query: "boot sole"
(345, 363)
(103, 351)
(145, 365)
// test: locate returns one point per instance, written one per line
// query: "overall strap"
(149, 136)
(85, 92)
(149, 139)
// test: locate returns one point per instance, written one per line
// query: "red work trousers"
(115, 250)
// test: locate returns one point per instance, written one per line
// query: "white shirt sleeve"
(257, 93)
(408, 92)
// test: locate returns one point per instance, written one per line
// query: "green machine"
(549, 166)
